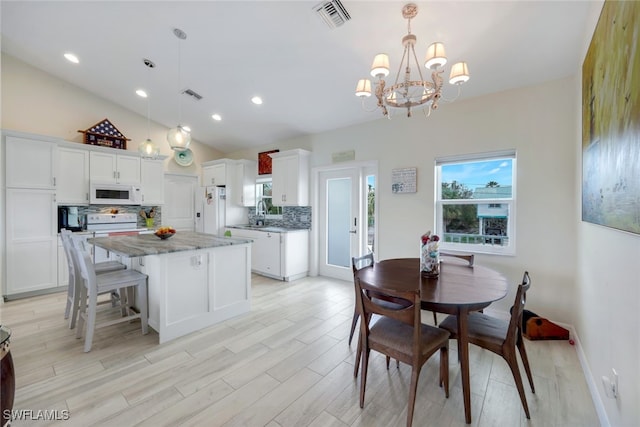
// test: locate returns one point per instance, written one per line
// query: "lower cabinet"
(191, 290)
(279, 255)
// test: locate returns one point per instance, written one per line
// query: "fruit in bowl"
(165, 232)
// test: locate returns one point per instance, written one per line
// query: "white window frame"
(263, 180)
(509, 249)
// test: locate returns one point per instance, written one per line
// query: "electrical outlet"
(611, 385)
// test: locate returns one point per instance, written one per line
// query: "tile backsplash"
(292, 217)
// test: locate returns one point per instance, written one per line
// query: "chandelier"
(179, 138)
(406, 92)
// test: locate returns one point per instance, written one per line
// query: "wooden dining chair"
(75, 281)
(400, 334)
(501, 337)
(468, 257)
(124, 281)
(358, 263)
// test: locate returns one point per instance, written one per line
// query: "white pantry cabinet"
(73, 176)
(31, 240)
(39, 155)
(152, 181)
(114, 168)
(290, 178)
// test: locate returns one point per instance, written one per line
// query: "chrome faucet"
(261, 213)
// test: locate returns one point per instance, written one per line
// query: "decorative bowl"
(164, 236)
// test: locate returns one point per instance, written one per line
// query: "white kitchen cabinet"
(266, 254)
(40, 156)
(290, 178)
(152, 181)
(283, 256)
(246, 172)
(114, 168)
(191, 290)
(73, 176)
(31, 241)
(214, 174)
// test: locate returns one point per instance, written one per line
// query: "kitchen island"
(195, 280)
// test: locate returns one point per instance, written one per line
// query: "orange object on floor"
(539, 328)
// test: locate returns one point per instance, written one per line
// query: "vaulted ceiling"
(304, 70)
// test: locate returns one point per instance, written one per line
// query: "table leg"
(463, 354)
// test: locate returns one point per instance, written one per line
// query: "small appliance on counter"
(68, 218)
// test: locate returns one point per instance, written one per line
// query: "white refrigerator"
(211, 216)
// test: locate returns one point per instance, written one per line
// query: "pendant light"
(148, 149)
(179, 138)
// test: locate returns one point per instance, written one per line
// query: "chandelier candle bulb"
(436, 56)
(380, 66)
(459, 73)
(363, 88)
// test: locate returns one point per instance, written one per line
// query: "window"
(475, 203)
(264, 205)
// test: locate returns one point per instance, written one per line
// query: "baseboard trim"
(591, 383)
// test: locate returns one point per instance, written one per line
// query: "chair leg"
(75, 307)
(363, 380)
(444, 370)
(358, 356)
(415, 374)
(388, 360)
(81, 310)
(356, 315)
(144, 317)
(70, 295)
(512, 361)
(91, 321)
(435, 318)
(525, 361)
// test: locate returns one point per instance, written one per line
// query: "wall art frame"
(611, 120)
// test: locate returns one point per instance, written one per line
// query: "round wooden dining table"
(459, 289)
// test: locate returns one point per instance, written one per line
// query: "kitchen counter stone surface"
(267, 228)
(150, 244)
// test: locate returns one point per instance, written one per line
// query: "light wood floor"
(287, 363)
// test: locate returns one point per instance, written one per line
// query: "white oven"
(114, 194)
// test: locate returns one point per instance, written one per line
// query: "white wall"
(36, 102)
(540, 131)
(608, 298)
(583, 275)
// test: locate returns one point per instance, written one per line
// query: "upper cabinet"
(246, 172)
(152, 181)
(290, 178)
(214, 174)
(73, 176)
(114, 168)
(41, 158)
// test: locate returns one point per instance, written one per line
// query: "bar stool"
(122, 280)
(73, 289)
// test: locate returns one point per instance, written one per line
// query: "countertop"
(267, 228)
(149, 244)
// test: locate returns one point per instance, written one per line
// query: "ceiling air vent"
(192, 94)
(333, 13)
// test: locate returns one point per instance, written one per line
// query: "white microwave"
(114, 194)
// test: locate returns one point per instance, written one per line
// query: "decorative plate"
(184, 157)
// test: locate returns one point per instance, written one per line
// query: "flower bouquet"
(429, 255)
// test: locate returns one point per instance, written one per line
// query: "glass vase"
(429, 259)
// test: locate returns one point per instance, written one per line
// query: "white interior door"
(340, 231)
(179, 206)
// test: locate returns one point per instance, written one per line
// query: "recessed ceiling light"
(216, 117)
(71, 57)
(141, 93)
(256, 100)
